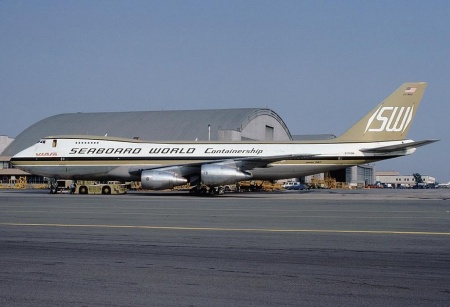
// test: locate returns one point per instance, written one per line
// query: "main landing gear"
(204, 190)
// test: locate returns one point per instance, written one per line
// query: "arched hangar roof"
(225, 124)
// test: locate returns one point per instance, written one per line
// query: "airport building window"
(5, 165)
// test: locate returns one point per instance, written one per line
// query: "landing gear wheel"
(203, 191)
(193, 191)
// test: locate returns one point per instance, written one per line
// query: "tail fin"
(391, 119)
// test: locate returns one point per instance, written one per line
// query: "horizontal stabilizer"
(399, 147)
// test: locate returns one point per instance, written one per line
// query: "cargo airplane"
(208, 166)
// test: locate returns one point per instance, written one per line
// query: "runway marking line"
(232, 229)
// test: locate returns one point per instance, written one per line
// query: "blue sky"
(321, 65)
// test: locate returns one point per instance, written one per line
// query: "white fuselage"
(110, 158)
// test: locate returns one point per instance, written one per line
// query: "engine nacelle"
(217, 175)
(160, 180)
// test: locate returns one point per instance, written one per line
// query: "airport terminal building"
(240, 124)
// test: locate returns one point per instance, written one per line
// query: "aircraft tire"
(203, 191)
(194, 191)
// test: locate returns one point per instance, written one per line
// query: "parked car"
(295, 186)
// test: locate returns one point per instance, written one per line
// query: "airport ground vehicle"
(296, 186)
(87, 187)
(61, 186)
(93, 187)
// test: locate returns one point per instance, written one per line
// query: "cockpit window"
(54, 143)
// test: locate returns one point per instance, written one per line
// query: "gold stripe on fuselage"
(184, 162)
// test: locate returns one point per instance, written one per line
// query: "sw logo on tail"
(390, 122)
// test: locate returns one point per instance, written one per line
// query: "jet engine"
(160, 180)
(216, 175)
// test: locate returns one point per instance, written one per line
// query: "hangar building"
(215, 125)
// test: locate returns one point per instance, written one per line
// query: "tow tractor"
(87, 187)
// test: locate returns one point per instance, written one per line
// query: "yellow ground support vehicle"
(87, 187)
(258, 185)
(14, 183)
(93, 187)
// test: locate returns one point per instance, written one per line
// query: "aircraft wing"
(387, 149)
(254, 162)
(244, 164)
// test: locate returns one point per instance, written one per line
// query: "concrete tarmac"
(299, 248)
